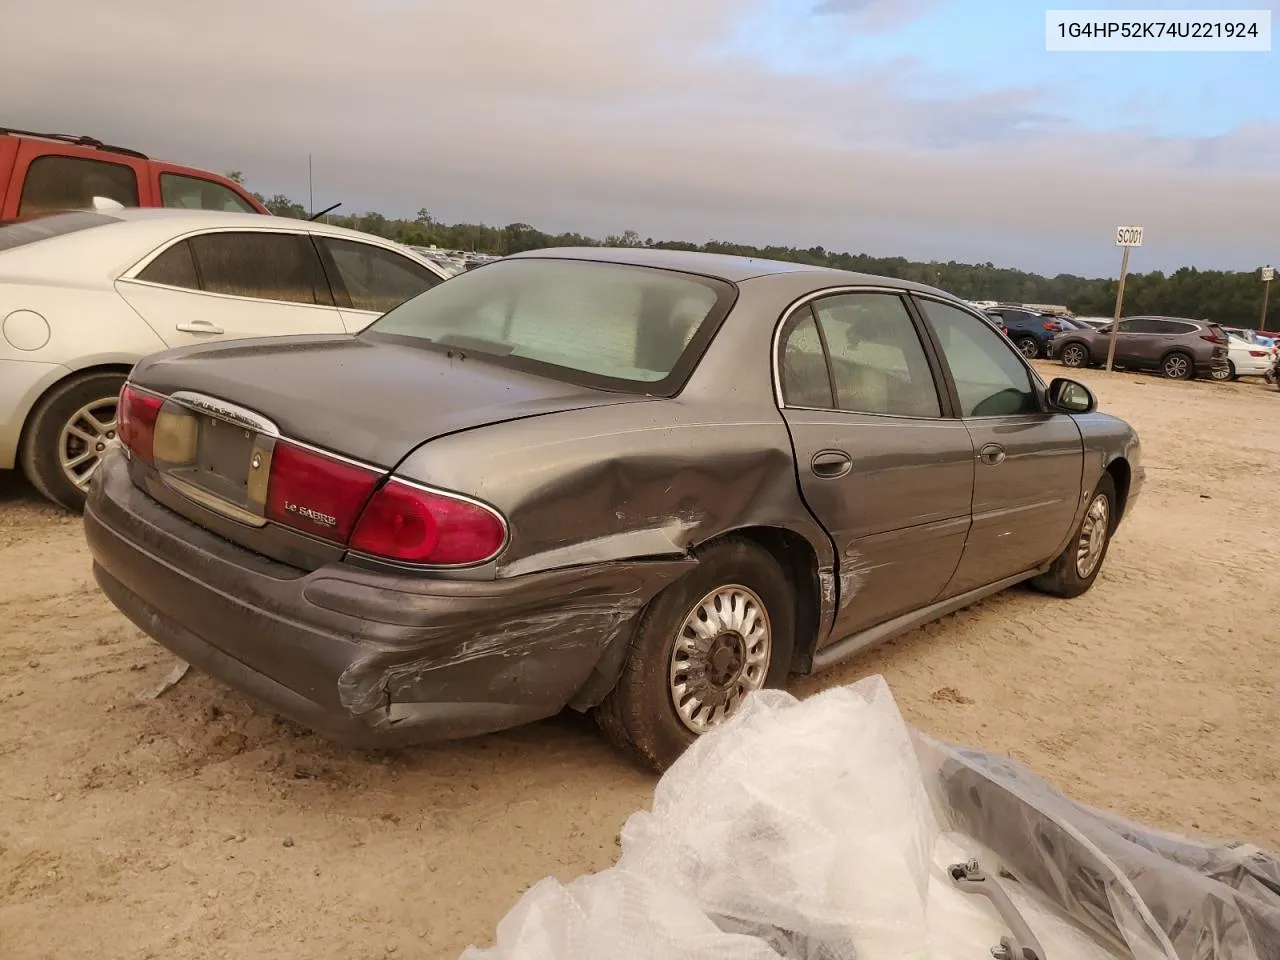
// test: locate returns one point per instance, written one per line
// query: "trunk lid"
(370, 401)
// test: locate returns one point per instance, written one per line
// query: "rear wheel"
(1075, 569)
(67, 433)
(1075, 355)
(1177, 366)
(701, 646)
(1028, 346)
(1223, 374)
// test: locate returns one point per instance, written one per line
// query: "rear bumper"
(370, 659)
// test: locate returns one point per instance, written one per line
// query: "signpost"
(1268, 274)
(1126, 237)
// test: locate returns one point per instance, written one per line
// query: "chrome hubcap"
(721, 653)
(84, 438)
(1175, 367)
(1093, 536)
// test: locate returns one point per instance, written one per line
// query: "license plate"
(225, 451)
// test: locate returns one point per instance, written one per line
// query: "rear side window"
(877, 361)
(804, 376)
(59, 225)
(261, 265)
(173, 268)
(70, 183)
(196, 193)
(376, 279)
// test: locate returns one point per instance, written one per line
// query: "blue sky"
(957, 47)
(929, 129)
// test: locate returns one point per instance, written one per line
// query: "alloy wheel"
(1073, 355)
(1177, 367)
(84, 438)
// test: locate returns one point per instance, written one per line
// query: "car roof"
(103, 251)
(720, 266)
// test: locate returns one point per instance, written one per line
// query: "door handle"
(831, 464)
(198, 326)
(992, 454)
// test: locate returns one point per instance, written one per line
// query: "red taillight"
(1050, 325)
(136, 413)
(412, 525)
(1257, 353)
(315, 493)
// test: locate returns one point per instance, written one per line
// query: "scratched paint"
(586, 626)
(853, 575)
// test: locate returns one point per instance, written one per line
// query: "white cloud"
(577, 114)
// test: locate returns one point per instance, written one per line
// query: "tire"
(1029, 347)
(1064, 579)
(639, 715)
(1224, 374)
(47, 435)
(1177, 366)
(1075, 355)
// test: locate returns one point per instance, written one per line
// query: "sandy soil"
(196, 826)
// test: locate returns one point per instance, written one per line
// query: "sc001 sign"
(1128, 236)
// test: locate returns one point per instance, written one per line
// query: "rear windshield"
(605, 325)
(59, 224)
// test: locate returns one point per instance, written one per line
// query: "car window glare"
(43, 228)
(619, 324)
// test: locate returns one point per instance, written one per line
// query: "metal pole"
(1115, 321)
(1266, 289)
(311, 194)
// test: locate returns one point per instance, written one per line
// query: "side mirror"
(1071, 396)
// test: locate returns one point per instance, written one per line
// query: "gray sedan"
(636, 482)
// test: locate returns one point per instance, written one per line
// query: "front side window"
(70, 183)
(376, 279)
(878, 364)
(196, 193)
(261, 265)
(611, 325)
(990, 379)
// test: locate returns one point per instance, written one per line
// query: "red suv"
(43, 173)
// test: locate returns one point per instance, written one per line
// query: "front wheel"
(1177, 366)
(67, 434)
(1075, 355)
(703, 644)
(1075, 569)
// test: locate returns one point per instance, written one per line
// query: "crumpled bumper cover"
(367, 658)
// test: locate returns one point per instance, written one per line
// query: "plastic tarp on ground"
(828, 829)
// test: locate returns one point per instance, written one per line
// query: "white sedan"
(85, 295)
(1244, 359)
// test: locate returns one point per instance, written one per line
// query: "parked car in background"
(1095, 322)
(643, 482)
(1245, 358)
(85, 295)
(48, 173)
(1030, 330)
(450, 264)
(1177, 347)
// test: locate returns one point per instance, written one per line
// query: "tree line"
(1233, 299)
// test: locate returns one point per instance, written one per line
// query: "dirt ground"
(196, 826)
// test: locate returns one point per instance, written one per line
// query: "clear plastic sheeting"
(829, 830)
